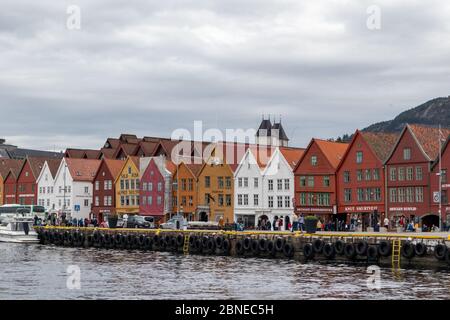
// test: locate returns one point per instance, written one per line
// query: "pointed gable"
(428, 139)
(83, 169)
(7, 165)
(292, 155)
(333, 151)
(381, 144)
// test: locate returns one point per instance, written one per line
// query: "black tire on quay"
(385, 248)
(440, 251)
(96, 236)
(180, 240)
(192, 240)
(247, 244)
(204, 241)
(421, 249)
(161, 244)
(226, 246)
(270, 247)
(173, 243)
(350, 251)
(361, 248)
(118, 240)
(262, 244)
(129, 240)
(219, 242)
(255, 246)
(156, 239)
(408, 250)
(447, 257)
(288, 250)
(90, 240)
(372, 253)
(240, 247)
(339, 246)
(167, 240)
(329, 251)
(318, 245)
(198, 245)
(308, 251)
(279, 244)
(211, 246)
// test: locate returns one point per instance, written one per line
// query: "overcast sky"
(149, 67)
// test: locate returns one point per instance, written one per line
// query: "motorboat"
(18, 229)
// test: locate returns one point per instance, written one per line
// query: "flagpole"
(440, 180)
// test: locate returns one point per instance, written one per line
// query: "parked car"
(151, 220)
(176, 223)
(138, 222)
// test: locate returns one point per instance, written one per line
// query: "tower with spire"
(269, 134)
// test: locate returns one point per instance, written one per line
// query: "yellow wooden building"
(127, 187)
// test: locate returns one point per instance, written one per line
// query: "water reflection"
(39, 272)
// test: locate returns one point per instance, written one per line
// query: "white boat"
(18, 229)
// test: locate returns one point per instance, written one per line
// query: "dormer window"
(129, 170)
(27, 174)
(314, 161)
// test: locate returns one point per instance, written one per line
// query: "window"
(97, 201)
(270, 182)
(393, 174)
(150, 186)
(314, 161)
(86, 189)
(287, 184)
(377, 194)
(409, 173)
(191, 184)
(159, 200)
(303, 198)
(270, 201)
(207, 182)
(360, 193)
(245, 182)
(407, 154)
(191, 201)
(419, 173)
(159, 186)
(86, 203)
(97, 185)
(368, 174)
(245, 199)
(122, 185)
(393, 195)
(240, 199)
(255, 182)
(145, 186)
(129, 170)
(132, 185)
(220, 182)
(279, 184)
(348, 195)
(359, 175)
(410, 194)
(240, 182)
(401, 194)
(444, 176)
(311, 199)
(256, 200)
(369, 194)
(138, 184)
(144, 200)
(303, 181)
(401, 174)
(127, 184)
(419, 194)
(228, 200)
(228, 182)
(359, 157)
(376, 174)
(280, 202)
(346, 176)
(221, 200)
(122, 201)
(310, 181)
(326, 181)
(150, 200)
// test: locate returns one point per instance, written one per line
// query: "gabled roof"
(194, 169)
(127, 149)
(292, 155)
(108, 153)
(53, 166)
(444, 148)
(9, 164)
(428, 138)
(36, 165)
(147, 147)
(333, 151)
(20, 153)
(114, 166)
(93, 154)
(75, 153)
(112, 143)
(381, 143)
(83, 169)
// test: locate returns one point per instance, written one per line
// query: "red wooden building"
(27, 189)
(10, 185)
(156, 187)
(104, 194)
(361, 178)
(315, 179)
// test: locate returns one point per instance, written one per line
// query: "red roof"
(292, 155)
(7, 165)
(262, 154)
(53, 166)
(380, 143)
(114, 166)
(428, 138)
(333, 151)
(83, 169)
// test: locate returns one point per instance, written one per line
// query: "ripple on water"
(39, 272)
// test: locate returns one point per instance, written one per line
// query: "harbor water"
(42, 272)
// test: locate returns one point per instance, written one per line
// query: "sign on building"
(436, 197)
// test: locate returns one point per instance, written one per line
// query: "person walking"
(301, 222)
(386, 223)
(294, 223)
